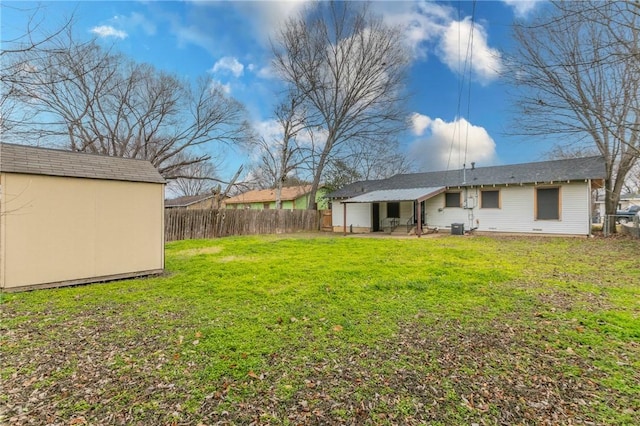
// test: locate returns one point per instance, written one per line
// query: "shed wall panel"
(57, 229)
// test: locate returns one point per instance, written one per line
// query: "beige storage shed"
(71, 218)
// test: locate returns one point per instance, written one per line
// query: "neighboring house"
(191, 202)
(70, 218)
(550, 197)
(292, 197)
(626, 200)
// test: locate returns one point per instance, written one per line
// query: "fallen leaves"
(253, 375)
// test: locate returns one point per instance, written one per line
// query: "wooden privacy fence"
(180, 224)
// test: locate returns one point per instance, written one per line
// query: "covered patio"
(414, 195)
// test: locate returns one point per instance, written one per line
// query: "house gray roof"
(53, 162)
(630, 196)
(540, 172)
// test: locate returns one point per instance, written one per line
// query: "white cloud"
(432, 28)
(218, 85)
(230, 64)
(521, 8)
(420, 123)
(449, 144)
(272, 132)
(269, 130)
(192, 35)
(135, 21)
(267, 72)
(108, 31)
(423, 22)
(463, 45)
(267, 16)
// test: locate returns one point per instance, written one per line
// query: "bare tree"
(560, 152)
(340, 173)
(196, 179)
(379, 159)
(350, 69)
(281, 156)
(35, 38)
(632, 184)
(578, 66)
(88, 99)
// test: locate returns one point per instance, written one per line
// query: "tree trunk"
(279, 195)
(318, 174)
(611, 199)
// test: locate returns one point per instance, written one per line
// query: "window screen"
(452, 199)
(393, 209)
(490, 200)
(548, 203)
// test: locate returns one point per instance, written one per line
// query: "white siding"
(358, 214)
(442, 217)
(406, 212)
(517, 212)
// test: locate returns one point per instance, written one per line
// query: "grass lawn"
(333, 330)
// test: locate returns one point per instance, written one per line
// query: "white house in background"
(626, 200)
(550, 197)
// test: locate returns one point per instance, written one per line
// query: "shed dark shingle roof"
(53, 162)
(545, 171)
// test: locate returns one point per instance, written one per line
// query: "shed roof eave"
(160, 181)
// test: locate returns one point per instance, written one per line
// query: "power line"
(463, 71)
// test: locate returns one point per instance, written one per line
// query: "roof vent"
(473, 165)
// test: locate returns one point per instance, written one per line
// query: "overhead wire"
(463, 70)
(470, 55)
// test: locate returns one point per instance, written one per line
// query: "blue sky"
(229, 40)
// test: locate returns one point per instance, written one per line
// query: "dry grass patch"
(200, 250)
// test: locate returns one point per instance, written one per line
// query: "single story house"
(292, 197)
(193, 202)
(71, 218)
(549, 197)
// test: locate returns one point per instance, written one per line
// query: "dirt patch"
(449, 375)
(443, 373)
(197, 251)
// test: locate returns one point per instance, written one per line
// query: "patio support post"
(344, 218)
(419, 219)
